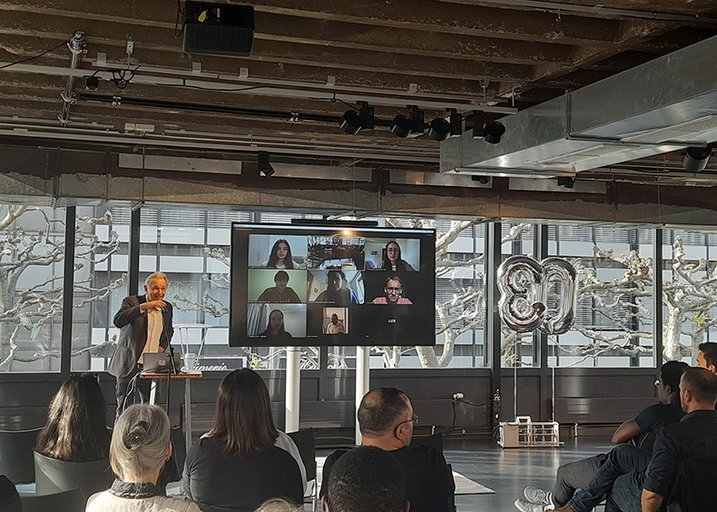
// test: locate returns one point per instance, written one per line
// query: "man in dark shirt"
(281, 293)
(640, 430)
(366, 478)
(386, 419)
(634, 482)
(707, 356)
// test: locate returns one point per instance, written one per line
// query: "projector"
(218, 29)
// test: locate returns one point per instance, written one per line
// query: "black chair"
(304, 441)
(52, 475)
(16, 448)
(692, 490)
(66, 501)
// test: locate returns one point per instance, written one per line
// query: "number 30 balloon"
(526, 301)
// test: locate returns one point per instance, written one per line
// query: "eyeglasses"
(399, 291)
(413, 420)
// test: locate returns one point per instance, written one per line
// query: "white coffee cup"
(190, 361)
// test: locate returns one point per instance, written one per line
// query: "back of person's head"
(670, 374)
(379, 410)
(76, 428)
(702, 383)
(278, 505)
(366, 478)
(139, 441)
(709, 349)
(243, 420)
(9, 497)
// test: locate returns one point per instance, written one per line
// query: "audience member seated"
(76, 428)
(366, 479)
(386, 420)
(279, 505)
(139, 448)
(639, 430)
(243, 460)
(707, 356)
(635, 482)
(9, 497)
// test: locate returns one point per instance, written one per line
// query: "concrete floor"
(508, 471)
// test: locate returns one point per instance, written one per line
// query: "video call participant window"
(277, 251)
(281, 323)
(393, 255)
(340, 287)
(277, 286)
(336, 252)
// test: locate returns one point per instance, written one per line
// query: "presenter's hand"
(153, 305)
(161, 349)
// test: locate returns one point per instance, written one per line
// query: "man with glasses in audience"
(394, 292)
(386, 421)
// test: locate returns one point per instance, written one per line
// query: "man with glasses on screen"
(386, 421)
(394, 292)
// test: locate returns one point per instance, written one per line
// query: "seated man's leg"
(573, 476)
(626, 493)
(621, 460)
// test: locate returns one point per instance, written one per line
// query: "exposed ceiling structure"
(313, 60)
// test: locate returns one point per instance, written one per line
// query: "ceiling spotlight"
(566, 181)
(265, 167)
(352, 122)
(92, 83)
(493, 131)
(409, 127)
(439, 129)
(696, 158)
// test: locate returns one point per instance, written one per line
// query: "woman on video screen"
(394, 292)
(392, 259)
(275, 327)
(280, 256)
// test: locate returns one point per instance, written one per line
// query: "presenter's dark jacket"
(132, 323)
(429, 480)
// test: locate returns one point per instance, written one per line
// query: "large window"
(32, 251)
(613, 322)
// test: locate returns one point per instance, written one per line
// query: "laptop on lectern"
(160, 362)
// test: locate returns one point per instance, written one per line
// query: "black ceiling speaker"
(218, 29)
(695, 158)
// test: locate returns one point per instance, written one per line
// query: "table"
(187, 377)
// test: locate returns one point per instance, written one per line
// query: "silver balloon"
(559, 275)
(519, 282)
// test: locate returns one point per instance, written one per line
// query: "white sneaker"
(535, 495)
(527, 506)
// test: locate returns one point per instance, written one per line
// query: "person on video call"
(392, 259)
(394, 292)
(275, 327)
(145, 323)
(336, 326)
(280, 256)
(280, 293)
(337, 290)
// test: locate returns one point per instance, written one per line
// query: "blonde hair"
(278, 505)
(139, 440)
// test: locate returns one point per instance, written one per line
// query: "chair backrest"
(16, 448)
(52, 475)
(693, 486)
(65, 501)
(304, 441)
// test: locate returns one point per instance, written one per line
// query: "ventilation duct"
(661, 106)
